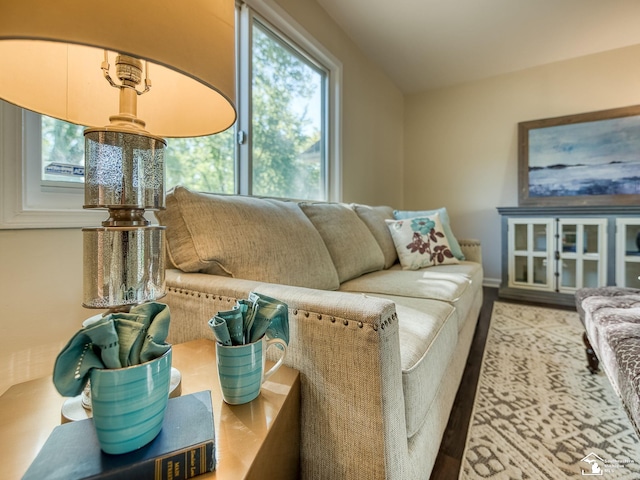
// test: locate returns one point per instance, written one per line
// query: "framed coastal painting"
(586, 159)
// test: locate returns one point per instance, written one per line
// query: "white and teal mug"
(128, 403)
(241, 369)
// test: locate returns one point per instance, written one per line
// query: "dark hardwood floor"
(449, 458)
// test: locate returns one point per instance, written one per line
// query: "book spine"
(188, 464)
(181, 464)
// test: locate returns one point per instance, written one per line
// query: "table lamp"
(133, 73)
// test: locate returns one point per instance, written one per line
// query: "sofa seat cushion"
(353, 248)
(454, 284)
(244, 237)
(428, 338)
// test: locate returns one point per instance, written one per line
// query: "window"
(279, 146)
(287, 122)
(62, 151)
(26, 201)
(286, 142)
(205, 164)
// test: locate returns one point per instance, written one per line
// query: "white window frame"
(25, 202)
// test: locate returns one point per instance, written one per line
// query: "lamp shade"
(51, 54)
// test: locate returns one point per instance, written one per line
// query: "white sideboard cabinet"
(548, 253)
(628, 252)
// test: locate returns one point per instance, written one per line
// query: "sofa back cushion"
(246, 237)
(351, 245)
(374, 218)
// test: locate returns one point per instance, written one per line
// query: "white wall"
(461, 142)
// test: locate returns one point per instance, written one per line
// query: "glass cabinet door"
(530, 247)
(628, 252)
(581, 253)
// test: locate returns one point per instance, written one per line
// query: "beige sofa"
(381, 350)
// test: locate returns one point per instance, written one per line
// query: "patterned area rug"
(538, 412)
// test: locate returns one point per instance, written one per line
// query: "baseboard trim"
(491, 282)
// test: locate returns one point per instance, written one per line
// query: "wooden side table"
(258, 440)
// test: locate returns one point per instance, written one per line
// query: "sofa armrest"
(347, 349)
(472, 249)
(194, 298)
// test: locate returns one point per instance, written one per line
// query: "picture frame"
(584, 159)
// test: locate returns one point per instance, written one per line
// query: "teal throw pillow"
(420, 242)
(444, 219)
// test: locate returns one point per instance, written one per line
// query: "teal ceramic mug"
(128, 403)
(241, 369)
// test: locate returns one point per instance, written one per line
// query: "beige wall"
(41, 270)
(461, 142)
(40, 299)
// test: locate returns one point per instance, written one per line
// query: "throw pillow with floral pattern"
(421, 242)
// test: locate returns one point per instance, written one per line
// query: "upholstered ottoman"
(602, 292)
(611, 317)
(580, 296)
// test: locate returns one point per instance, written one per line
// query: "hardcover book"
(184, 448)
